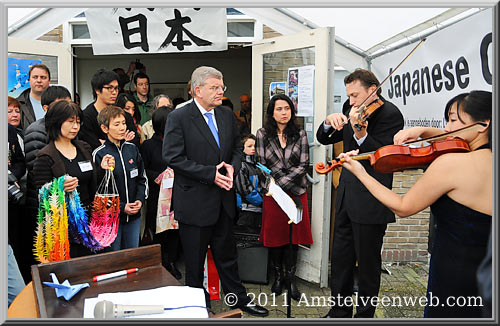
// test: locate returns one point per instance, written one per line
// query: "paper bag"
(164, 215)
(211, 280)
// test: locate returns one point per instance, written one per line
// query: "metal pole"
(289, 287)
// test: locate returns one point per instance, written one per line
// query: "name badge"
(169, 183)
(134, 173)
(85, 166)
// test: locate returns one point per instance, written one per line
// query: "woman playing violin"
(458, 187)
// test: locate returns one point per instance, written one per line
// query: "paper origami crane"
(65, 289)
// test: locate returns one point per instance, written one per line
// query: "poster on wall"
(156, 30)
(300, 89)
(18, 75)
(276, 88)
(442, 67)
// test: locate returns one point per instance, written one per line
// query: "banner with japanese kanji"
(156, 30)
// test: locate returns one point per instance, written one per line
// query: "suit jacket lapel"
(200, 122)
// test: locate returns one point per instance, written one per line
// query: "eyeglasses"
(216, 88)
(111, 88)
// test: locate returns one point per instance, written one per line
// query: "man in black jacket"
(105, 90)
(30, 99)
(203, 147)
(360, 219)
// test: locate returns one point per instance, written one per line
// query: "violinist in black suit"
(360, 219)
(203, 146)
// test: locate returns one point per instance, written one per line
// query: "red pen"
(114, 274)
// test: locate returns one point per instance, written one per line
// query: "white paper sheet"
(168, 296)
(285, 202)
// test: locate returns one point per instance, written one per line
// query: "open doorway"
(169, 72)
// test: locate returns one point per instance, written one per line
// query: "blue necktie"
(212, 127)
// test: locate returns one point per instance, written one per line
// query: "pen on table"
(115, 274)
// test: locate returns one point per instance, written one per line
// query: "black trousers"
(355, 242)
(170, 245)
(195, 241)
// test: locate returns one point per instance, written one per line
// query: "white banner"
(157, 30)
(455, 60)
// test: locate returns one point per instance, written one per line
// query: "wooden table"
(40, 301)
(24, 306)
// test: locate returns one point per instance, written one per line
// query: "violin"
(368, 110)
(397, 158)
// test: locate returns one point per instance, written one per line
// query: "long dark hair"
(291, 130)
(159, 119)
(122, 100)
(477, 104)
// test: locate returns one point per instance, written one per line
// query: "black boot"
(276, 259)
(291, 267)
(174, 271)
(290, 278)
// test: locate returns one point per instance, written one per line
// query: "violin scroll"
(323, 168)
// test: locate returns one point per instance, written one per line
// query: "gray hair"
(156, 100)
(201, 74)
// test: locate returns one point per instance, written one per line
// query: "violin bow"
(358, 126)
(477, 125)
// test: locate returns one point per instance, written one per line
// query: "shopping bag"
(211, 280)
(106, 211)
(164, 215)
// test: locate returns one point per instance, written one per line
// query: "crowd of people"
(221, 166)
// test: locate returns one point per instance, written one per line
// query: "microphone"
(107, 310)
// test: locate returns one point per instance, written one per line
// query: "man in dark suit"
(360, 219)
(203, 147)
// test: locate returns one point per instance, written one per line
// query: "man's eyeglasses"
(112, 88)
(216, 88)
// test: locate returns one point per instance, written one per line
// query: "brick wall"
(268, 32)
(406, 239)
(54, 35)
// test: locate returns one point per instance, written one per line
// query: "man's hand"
(70, 183)
(230, 171)
(129, 135)
(353, 117)
(336, 120)
(224, 181)
(131, 68)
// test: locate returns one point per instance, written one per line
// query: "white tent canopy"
(356, 28)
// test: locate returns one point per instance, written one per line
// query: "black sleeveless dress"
(459, 246)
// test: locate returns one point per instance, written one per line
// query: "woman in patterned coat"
(283, 148)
